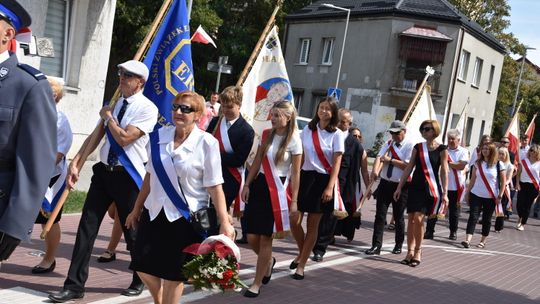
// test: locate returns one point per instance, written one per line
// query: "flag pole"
(259, 44)
(98, 132)
(512, 120)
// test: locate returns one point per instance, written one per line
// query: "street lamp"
(519, 78)
(344, 36)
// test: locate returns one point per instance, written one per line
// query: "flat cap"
(135, 67)
(12, 12)
(396, 126)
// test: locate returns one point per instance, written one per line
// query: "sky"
(525, 24)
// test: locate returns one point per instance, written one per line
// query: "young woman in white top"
(484, 192)
(191, 161)
(65, 138)
(528, 172)
(504, 158)
(267, 213)
(317, 178)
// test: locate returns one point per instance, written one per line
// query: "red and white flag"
(513, 134)
(530, 129)
(202, 36)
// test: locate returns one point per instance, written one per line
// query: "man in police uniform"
(27, 135)
(117, 177)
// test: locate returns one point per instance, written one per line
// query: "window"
(56, 28)
(468, 127)
(464, 65)
(482, 126)
(477, 73)
(328, 51)
(305, 45)
(455, 120)
(297, 95)
(491, 75)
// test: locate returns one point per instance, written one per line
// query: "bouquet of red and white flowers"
(215, 265)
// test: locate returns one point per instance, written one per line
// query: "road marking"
(21, 295)
(468, 252)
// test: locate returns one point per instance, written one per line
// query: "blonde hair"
(197, 101)
(506, 157)
(231, 94)
(286, 109)
(434, 124)
(492, 157)
(57, 88)
(534, 153)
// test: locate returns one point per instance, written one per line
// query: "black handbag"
(204, 221)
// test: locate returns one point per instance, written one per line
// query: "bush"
(75, 202)
(376, 146)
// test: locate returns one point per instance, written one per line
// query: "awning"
(426, 33)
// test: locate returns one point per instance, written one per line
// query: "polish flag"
(513, 134)
(530, 129)
(202, 36)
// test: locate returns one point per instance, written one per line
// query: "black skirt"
(419, 200)
(258, 213)
(312, 185)
(160, 244)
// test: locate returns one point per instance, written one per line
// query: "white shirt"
(474, 157)
(140, 113)
(523, 152)
(231, 122)
(4, 56)
(404, 151)
(479, 188)
(458, 155)
(330, 144)
(64, 139)
(216, 107)
(524, 177)
(293, 148)
(197, 163)
(509, 168)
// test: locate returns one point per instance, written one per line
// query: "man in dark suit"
(235, 136)
(348, 178)
(27, 135)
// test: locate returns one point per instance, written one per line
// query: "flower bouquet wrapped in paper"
(216, 264)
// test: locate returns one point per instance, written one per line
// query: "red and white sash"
(460, 187)
(338, 201)
(533, 175)
(280, 193)
(498, 207)
(438, 208)
(222, 136)
(396, 155)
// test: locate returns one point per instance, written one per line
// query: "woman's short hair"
(435, 124)
(57, 88)
(506, 157)
(196, 101)
(332, 126)
(231, 94)
(534, 152)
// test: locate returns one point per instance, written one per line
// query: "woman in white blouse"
(276, 167)
(484, 192)
(190, 159)
(504, 158)
(323, 148)
(528, 172)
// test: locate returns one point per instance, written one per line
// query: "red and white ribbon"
(460, 187)
(533, 175)
(438, 208)
(498, 206)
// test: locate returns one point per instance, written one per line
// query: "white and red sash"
(498, 207)
(222, 136)
(396, 155)
(280, 193)
(338, 201)
(438, 208)
(460, 187)
(533, 175)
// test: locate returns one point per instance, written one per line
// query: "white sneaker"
(520, 227)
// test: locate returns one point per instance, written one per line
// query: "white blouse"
(197, 163)
(479, 187)
(330, 144)
(524, 177)
(64, 140)
(293, 148)
(458, 155)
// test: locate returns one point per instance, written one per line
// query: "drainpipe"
(452, 86)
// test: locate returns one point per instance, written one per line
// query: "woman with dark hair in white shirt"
(528, 186)
(183, 172)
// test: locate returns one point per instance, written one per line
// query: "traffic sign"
(214, 67)
(334, 92)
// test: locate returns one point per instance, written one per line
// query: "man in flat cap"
(117, 177)
(27, 135)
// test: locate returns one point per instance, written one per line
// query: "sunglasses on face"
(505, 142)
(126, 74)
(395, 133)
(426, 129)
(183, 108)
(357, 136)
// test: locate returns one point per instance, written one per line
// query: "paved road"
(506, 271)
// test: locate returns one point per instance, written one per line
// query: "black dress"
(258, 213)
(419, 199)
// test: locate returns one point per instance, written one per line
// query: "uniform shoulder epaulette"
(37, 74)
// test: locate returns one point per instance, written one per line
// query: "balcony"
(408, 80)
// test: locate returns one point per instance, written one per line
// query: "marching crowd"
(172, 186)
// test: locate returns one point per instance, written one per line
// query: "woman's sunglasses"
(183, 108)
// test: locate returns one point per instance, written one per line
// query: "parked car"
(301, 122)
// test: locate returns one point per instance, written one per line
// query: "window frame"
(66, 33)
(328, 49)
(306, 61)
(464, 61)
(491, 76)
(477, 72)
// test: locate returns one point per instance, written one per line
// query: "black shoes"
(428, 236)
(453, 236)
(251, 294)
(465, 244)
(373, 250)
(397, 249)
(535, 215)
(317, 257)
(106, 257)
(266, 279)
(65, 295)
(293, 265)
(133, 290)
(297, 276)
(38, 269)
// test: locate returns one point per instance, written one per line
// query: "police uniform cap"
(12, 12)
(135, 67)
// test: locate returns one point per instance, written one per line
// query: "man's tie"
(390, 166)
(228, 123)
(112, 158)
